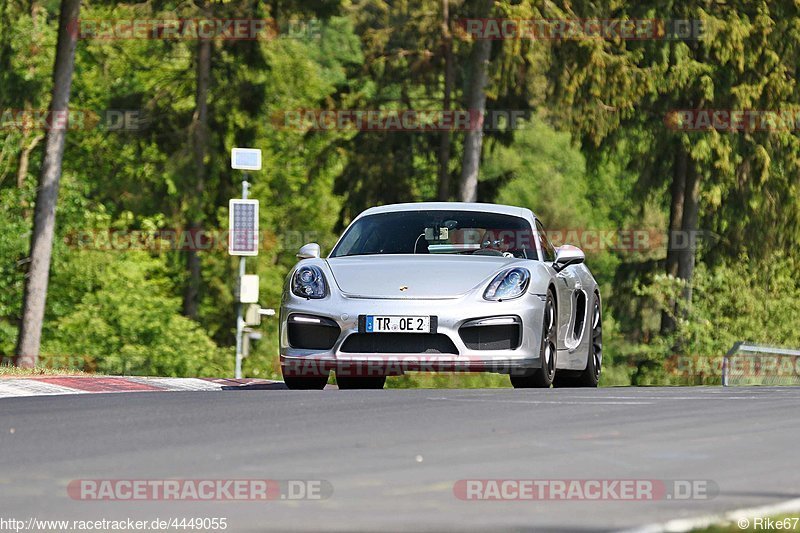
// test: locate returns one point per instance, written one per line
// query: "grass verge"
(756, 524)
(16, 372)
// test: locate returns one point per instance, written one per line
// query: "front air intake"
(312, 333)
(501, 333)
(429, 343)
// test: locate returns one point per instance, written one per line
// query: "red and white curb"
(53, 385)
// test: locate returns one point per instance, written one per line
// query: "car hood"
(423, 276)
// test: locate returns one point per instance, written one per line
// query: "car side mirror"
(568, 255)
(309, 251)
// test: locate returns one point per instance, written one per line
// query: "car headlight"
(508, 285)
(309, 282)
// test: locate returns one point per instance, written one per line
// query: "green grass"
(792, 521)
(424, 380)
(611, 377)
(16, 372)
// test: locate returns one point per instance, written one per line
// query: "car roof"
(454, 206)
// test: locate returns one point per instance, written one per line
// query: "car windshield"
(439, 232)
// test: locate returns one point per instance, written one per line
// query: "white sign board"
(248, 289)
(246, 159)
(243, 227)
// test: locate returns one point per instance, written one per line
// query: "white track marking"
(32, 387)
(180, 384)
(671, 398)
(24, 387)
(682, 525)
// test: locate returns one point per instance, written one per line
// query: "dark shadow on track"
(257, 386)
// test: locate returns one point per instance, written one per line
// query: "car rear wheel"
(347, 383)
(305, 383)
(591, 376)
(542, 378)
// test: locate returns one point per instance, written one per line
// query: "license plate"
(398, 324)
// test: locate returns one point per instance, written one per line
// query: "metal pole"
(725, 370)
(726, 362)
(239, 307)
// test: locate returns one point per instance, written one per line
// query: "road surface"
(392, 457)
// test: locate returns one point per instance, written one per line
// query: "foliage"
(546, 173)
(127, 320)
(734, 301)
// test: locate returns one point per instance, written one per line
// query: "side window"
(547, 248)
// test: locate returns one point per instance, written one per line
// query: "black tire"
(590, 376)
(305, 383)
(349, 383)
(542, 378)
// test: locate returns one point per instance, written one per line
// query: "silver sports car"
(453, 287)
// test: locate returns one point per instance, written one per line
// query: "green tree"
(35, 297)
(617, 93)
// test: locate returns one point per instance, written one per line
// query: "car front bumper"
(452, 314)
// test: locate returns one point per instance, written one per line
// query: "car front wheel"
(542, 378)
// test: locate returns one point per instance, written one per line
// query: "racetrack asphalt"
(393, 456)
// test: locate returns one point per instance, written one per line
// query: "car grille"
(501, 337)
(399, 343)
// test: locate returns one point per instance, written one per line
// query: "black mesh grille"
(505, 337)
(313, 336)
(399, 343)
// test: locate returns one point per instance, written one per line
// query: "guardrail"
(751, 349)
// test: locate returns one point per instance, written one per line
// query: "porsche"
(441, 286)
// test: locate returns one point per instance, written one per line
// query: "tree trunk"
(199, 130)
(476, 104)
(25, 159)
(686, 255)
(674, 240)
(449, 81)
(35, 298)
